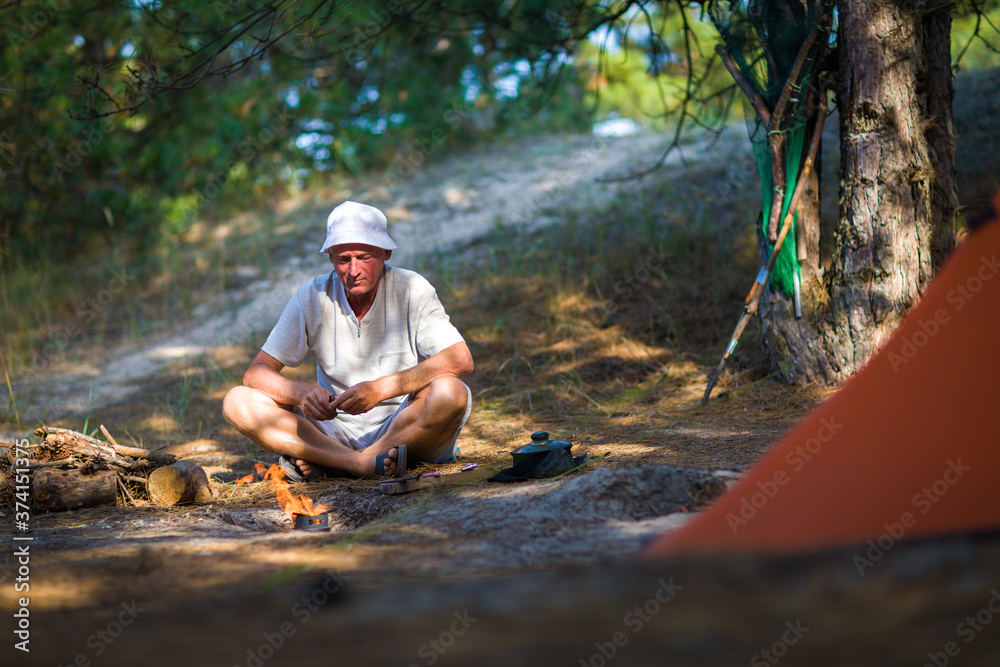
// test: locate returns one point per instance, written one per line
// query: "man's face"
(358, 266)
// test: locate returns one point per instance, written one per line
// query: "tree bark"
(898, 192)
(57, 490)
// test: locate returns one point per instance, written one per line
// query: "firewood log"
(179, 483)
(57, 490)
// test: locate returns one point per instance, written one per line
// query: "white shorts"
(335, 431)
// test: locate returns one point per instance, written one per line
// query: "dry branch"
(125, 491)
(63, 439)
(137, 452)
(59, 443)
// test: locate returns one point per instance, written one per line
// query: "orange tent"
(909, 446)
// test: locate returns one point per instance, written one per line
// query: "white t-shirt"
(405, 325)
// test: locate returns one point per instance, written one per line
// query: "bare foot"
(389, 467)
(305, 467)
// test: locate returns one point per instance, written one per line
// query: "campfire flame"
(259, 470)
(289, 503)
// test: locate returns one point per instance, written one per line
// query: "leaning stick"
(753, 298)
(124, 487)
(775, 140)
(755, 100)
(786, 91)
(114, 443)
(777, 137)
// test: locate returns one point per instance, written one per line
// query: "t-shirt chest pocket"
(396, 354)
(396, 360)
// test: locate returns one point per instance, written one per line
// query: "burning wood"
(289, 503)
(259, 470)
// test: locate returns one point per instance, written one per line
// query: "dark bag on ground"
(548, 464)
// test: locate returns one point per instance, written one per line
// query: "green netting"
(764, 38)
(787, 261)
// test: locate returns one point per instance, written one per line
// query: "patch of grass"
(13, 399)
(90, 402)
(183, 398)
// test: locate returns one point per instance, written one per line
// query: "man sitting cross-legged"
(388, 361)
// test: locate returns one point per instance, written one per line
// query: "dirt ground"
(541, 572)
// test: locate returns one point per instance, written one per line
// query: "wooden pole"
(772, 123)
(755, 100)
(753, 298)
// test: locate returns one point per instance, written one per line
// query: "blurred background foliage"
(120, 124)
(125, 123)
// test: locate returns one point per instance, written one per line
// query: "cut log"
(58, 490)
(179, 483)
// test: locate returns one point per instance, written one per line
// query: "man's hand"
(317, 403)
(454, 361)
(358, 399)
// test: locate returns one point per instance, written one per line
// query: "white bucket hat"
(352, 222)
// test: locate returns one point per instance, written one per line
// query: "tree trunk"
(898, 191)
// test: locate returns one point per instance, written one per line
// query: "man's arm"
(265, 376)
(454, 361)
